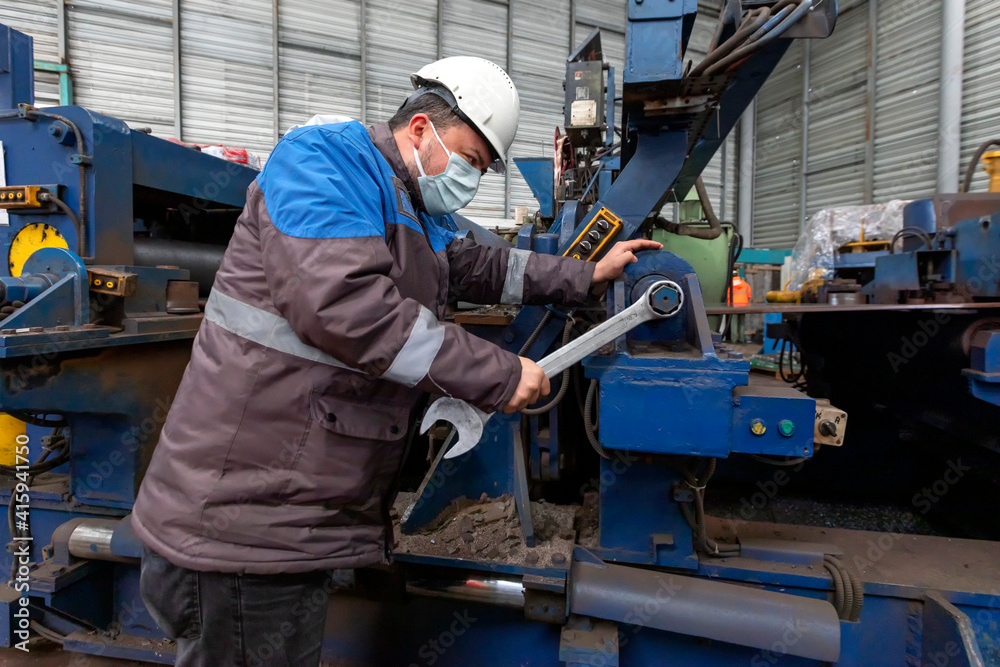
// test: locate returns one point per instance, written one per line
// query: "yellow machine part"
(10, 429)
(808, 294)
(992, 161)
(32, 237)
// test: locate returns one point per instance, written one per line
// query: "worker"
(322, 336)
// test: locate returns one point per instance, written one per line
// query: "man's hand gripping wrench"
(663, 299)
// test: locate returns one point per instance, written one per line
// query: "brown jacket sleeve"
(482, 274)
(337, 296)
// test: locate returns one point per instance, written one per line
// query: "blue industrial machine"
(111, 241)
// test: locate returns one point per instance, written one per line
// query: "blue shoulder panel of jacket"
(323, 181)
(330, 181)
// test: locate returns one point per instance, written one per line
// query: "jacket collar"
(385, 142)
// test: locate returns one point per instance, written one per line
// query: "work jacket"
(322, 333)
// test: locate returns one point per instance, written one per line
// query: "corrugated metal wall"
(906, 99)
(838, 114)
(778, 154)
(981, 99)
(860, 148)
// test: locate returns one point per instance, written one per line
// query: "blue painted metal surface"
(17, 76)
(538, 172)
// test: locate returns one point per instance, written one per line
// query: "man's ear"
(418, 128)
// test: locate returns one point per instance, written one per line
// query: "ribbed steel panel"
(981, 99)
(838, 114)
(37, 18)
(907, 98)
(227, 92)
(122, 60)
(401, 38)
(319, 60)
(539, 48)
(778, 155)
(479, 28)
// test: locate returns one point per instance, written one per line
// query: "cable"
(564, 379)
(85, 159)
(62, 206)
(838, 587)
(911, 232)
(760, 39)
(534, 334)
(780, 462)
(589, 426)
(970, 171)
(752, 22)
(46, 633)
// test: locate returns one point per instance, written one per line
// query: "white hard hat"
(484, 97)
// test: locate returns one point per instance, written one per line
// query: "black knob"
(585, 246)
(827, 428)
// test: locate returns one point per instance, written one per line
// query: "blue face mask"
(451, 189)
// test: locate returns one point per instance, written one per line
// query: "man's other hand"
(530, 388)
(621, 255)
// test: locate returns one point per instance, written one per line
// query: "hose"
(564, 379)
(62, 206)
(713, 232)
(912, 232)
(838, 587)
(589, 426)
(82, 224)
(753, 21)
(970, 171)
(759, 41)
(535, 334)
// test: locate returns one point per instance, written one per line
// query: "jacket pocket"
(350, 453)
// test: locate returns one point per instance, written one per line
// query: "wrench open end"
(467, 421)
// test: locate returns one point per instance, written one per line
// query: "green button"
(786, 428)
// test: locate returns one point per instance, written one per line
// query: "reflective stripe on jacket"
(321, 336)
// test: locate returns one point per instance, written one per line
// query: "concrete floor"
(46, 654)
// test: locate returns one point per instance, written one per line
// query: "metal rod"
(872, 86)
(178, 124)
(440, 30)
(722, 180)
(741, 615)
(275, 63)
(804, 171)
(65, 76)
(950, 120)
(363, 41)
(488, 589)
(744, 215)
(510, 66)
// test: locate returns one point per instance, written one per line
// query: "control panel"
(595, 236)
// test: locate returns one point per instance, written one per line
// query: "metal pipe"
(743, 615)
(950, 119)
(176, 37)
(872, 89)
(744, 215)
(488, 589)
(804, 171)
(201, 259)
(94, 539)
(363, 44)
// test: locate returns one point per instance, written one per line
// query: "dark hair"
(436, 108)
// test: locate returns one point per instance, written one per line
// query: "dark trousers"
(232, 620)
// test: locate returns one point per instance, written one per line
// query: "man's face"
(459, 138)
